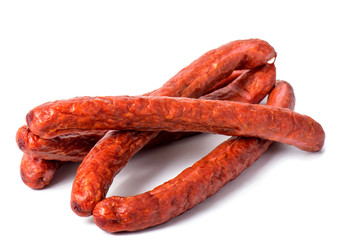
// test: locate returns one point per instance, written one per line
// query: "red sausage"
(69, 148)
(37, 173)
(250, 87)
(176, 115)
(109, 155)
(191, 186)
(39, 152)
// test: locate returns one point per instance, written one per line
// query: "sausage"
(96, 173)
(282, 96)
(250, 86)
(191, 186)
(202, 74)
(36, 173)
(39, 151)
(197, 78)
(74, 148)
(99, 168)
(69, 148)
(179, 114)
(235, 74)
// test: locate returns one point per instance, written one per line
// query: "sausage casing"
(98, 169)
(191, 186)
(176, 115)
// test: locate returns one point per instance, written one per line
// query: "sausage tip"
(21, 144)
(19, 138)
(29, 117)
(77, 209)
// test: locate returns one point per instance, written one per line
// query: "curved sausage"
(37, 173)
(75, 147)
(250, 86)
(39, 152)
(202, 74)
(221, 84)
(197, 78)
(191, 186)
(96, 173)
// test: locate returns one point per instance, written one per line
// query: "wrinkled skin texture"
(70, 148)
(235, 74)
(99, 168)
(249, 86)
(194, 80)
(181, 114)
(190, 187)
(37, 173)
(76, 147)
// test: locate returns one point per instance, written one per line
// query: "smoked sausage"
(38, 167)
(178, 114)
(96, 173)
(70, 148)
(250, 86)
(74, 148)
(191, 186)
(36, 173)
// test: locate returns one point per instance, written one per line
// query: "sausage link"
(72, 148)
(249, 53)
(282, 96)
(180, 114)
(249, 86)
(191, 186)
(98, 169)
(39, 152)
(221, 84)
(194, 80)
(202, 74)
(37, 173)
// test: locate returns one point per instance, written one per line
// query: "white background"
(53, 50)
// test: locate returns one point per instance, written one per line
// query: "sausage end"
(78, 210)
(29, 118)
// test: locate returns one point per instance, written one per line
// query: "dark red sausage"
(235, 74)
(69, 148)
(75, 147)
(39, 152)
(37, 173)
(205, 72)
(179, 114)
(191, 186)
(250, 87)
(96, 173)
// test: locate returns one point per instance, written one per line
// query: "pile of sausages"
(218, 93)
